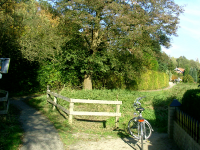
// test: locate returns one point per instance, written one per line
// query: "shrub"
(188, 79)
(153, 80)
(191, 103)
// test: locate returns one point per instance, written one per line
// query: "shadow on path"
(40, 134)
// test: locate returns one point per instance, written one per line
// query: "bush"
(191, 103)
(188, 79)
(151, 80)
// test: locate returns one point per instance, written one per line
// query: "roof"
(179, 70)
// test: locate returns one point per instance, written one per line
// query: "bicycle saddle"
(140, 109)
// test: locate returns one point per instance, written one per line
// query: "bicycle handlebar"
(139, 98)
(137, 101)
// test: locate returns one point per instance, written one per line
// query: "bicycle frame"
(141, 124)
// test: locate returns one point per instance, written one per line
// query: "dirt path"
(171, 84)
(158, 141)
(40, 134)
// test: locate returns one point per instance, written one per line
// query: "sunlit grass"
(155, 104)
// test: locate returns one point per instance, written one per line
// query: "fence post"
(117, 111)
(171, 115)
(55, 101)
(71, 107)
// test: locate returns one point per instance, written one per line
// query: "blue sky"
(188, 41)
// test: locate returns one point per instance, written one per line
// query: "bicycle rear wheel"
(134, 128)
(147, 129)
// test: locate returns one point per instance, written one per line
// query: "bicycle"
(139, 127)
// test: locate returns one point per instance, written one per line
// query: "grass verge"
(10, 130)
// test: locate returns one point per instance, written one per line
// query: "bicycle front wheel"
(134, 128)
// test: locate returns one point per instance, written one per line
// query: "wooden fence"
(72, 101)
(4, 102)
(189, 124)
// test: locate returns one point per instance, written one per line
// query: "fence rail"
(189, 124)
(72, 101)
(5, 102)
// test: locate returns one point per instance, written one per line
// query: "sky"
(188, 41)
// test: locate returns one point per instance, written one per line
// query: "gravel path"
(158, 141)
(40, 134)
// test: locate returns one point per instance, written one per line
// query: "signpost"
(4, 66)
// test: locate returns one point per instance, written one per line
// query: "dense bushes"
(188, 79)
(153, 80)
(191, 103)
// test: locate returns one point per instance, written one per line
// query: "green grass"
(155, 104)
(10, 130)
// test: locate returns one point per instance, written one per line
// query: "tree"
(112, 25)
(193, 73)
(183, 62)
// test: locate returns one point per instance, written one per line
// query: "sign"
(4, 65)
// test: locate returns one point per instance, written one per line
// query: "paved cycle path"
(158, 141)
(40, 134)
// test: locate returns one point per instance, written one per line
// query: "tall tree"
(118, 25)
(183, 62)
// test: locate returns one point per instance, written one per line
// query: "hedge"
(191, 103)
(151, 80)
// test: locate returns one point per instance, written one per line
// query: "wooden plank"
(55, 101)
(198, 133)
(58, 96)
(117, 118)
(189, 125)
(81, 113)
(7, 95)
(183, 116)
(3, 91)
(191, 130)
(59, 106)
(3, 99)
(8, 104)
(3, 112)
(187, 122)
(71, 110)
(95, 101)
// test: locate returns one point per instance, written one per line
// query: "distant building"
(179, 70)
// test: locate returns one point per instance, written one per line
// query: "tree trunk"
(87, 84)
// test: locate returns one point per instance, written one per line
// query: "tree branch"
(1, 4)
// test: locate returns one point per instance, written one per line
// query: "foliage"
(10, 130)
(193, 73)
(182, 62)
(113, 41)
(188, 79)
(198, 78)
(153, 80)
(191, 103)
(164, 62)
(98, 27)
